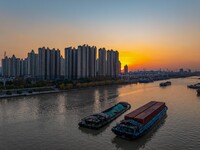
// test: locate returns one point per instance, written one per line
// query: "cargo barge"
(194, 86)
(145, 80)
(139, 121)
(165, 83)
(97, 121)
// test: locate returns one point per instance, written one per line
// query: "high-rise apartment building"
(102, 69)
(5, 69)
(33, 63)
(80, 62)
(92, 61)
(113, 63)
(62, 67)
(42, 60)
(13, 67)
(74, 63)
(49, 63)
(68, 62)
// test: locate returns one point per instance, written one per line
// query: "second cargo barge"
(97, 121)
(136, 123)
(163, 84)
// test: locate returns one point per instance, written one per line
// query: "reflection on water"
(93, 132)
(51, 121)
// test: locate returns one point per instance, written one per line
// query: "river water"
(50, 121)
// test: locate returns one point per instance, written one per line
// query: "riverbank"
(64, 87)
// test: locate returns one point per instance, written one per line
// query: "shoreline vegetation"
(21, 87)
(50, 87)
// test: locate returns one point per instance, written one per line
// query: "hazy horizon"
(148, 34)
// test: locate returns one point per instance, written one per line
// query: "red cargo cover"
(148, 114)
(138, 111)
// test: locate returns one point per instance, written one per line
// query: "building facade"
(113, 63)
(49, 63)
(14, 67)
(79, 63)
(102, 67)
(33, 63)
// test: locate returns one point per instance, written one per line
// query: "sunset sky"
(149, 34)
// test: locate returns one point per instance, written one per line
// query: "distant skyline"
(148, 34)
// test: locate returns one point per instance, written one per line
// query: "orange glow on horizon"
(150, 38)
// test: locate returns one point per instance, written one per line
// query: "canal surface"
(51, 121)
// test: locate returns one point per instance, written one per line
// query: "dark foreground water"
(50, 122)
